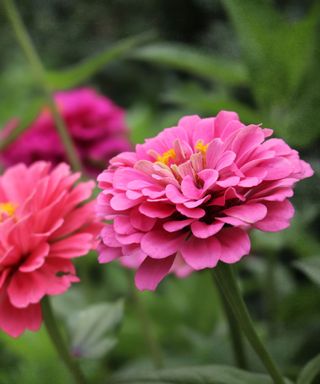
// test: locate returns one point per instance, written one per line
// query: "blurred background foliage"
(161, 60)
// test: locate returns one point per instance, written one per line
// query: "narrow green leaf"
(141, 118)
(77, 74)
(310, 371)
(310, 267)
(184, 58)
(278, 52)
(214, 374)
(198, 100)
(88, 329)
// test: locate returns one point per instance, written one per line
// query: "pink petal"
(141, 222)
(15, 321)
(123, 176)
(222, 121)
(73, 246)
(174, 226)
(278, 216)
(156, 209)
(29, 288)
(159, 244)
(209, 177)
(200, 254)
(122, 225)
(214, 151)
(235, 243)
(248, 213)
(225, 160)
(174, 194)
(229, 182)
(196, 203)
(108, 236)
(203, 230)
(133, 238)
(36, 259)
(189, 189)
(194, 213)
(120, 202)
(151, 272)
(107, 254)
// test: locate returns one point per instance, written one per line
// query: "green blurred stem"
(235, 332)
(39, 71)
(271, 298)
(146, 325)
(58, 342)
(225, 278)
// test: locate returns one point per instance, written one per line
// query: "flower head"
(189, 196)
(45, 222)
(96, 125)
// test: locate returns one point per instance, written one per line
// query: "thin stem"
(39, 71)
(146, 325)
(271, 299)
(225, 278)
(57, 340)
(235, 333)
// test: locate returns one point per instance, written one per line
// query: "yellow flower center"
(7, 210)
(167, 156)
(201, 147)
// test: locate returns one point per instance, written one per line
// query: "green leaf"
(21, 124)
(310, 267)
(184, 58)
(89, 327)
(278, 52)
(214, 374)
(140, 118)
(310, 371)
(198, 100)
(71, 77)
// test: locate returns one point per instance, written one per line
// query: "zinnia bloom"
(45, 222)
(96, 125)
(191, 194)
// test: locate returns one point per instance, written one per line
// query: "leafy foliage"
(194, 375)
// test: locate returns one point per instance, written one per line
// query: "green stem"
(57, 340)
(224, 276)
(271, 299)
(235, 333)
(146, 326)
(39, 71)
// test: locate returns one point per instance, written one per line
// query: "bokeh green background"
(259, 58)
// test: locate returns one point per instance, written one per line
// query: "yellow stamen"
(167, 156)
(200, 146)
(7, 210)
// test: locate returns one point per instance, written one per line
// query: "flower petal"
(159, 244)
(151, 272)
(235, 243)
(278, 217)
(201, 253)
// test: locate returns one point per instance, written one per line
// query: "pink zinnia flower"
(45, 222)
(191, 194)
(96, 125)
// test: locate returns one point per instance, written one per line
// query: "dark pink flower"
(189, 196)
(45, 222)
(95, 123)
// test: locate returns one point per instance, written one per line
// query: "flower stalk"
(58, 342)
(235, 332)
(146, 326)
(39, 71)
(225, 278)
